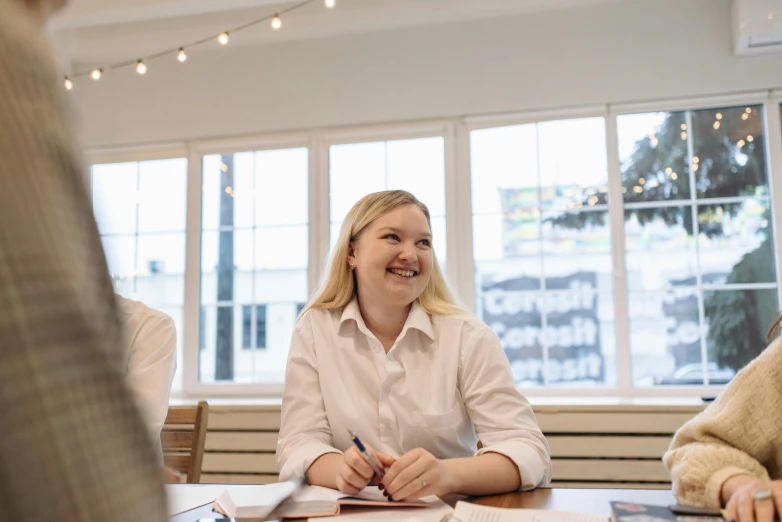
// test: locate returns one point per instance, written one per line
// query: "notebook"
(468, 512)
(311, 502)
(630, 512)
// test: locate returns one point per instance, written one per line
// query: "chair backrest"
(183, 439)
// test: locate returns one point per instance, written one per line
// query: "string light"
(684, 126)
(748, 110)
(716, 125)
(719, 116)
(696, 159)
(668, 170)
(641, 181)
(222, 38)
(740, 143)
(223, 167)
(695, 167)
(674, 176)
(654, 142)
(637, 189)
(750, 138)
(684, 135)
(744, 116)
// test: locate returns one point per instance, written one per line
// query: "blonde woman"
(384, 350)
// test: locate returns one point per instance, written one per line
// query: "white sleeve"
(151, 367)
(502, 416)
(305, 433)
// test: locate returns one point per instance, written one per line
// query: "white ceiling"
(107, 31)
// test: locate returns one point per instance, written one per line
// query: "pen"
(369, 458)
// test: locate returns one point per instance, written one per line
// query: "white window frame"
(458, 198)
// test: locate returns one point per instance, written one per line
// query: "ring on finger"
(423, 482)
(761, 494)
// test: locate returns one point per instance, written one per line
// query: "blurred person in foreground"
(73, 446)
(730, 455)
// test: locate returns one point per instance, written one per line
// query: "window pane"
(728, 233)
(697, 283)
(140, 209)
(660, 247)
(415, 165)
(665, 334)
(254, 258)
(542, 248)
(355, 170)
(161, 195)
(653, 156)
(115, 196)
(738, 324)
(729, 152)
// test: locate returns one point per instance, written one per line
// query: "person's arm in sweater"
(734, 436)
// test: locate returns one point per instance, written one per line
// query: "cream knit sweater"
(740, 433)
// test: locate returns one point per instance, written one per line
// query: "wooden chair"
(183, 439)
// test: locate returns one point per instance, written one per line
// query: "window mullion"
(618, 259)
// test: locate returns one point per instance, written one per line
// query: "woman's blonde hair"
(339, 285)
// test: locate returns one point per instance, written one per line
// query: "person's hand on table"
(750, 499)
(356, 473)
(418, 474)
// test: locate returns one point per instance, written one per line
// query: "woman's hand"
(418, 474)
(746, 499)
(355, 472)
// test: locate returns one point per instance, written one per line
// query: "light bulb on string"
(181, 55)
(750, 139)
(96, 74)
(684, 126)
(223, 38)
(748, 110)
(718, 116)
(68, 84)
(684, 135)
(141, 68)
(276, 22)
(740, 143)
(745, 116)
(716, 125)
(330, 4)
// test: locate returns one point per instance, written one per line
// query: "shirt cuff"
(302, 458)
(714, 484)
(533, 472)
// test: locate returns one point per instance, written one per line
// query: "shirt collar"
(417, 318)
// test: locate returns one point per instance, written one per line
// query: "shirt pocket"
(438, 421)
(444, 435)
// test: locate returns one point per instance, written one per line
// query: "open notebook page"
(466, 512)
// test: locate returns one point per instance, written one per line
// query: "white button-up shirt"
(444, 384)
(150, 362)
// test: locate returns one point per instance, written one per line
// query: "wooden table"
(592, 501)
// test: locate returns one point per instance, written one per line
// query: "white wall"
(626, 51)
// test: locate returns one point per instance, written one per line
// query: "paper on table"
(466, 512)
(183, 497)
(436, 511)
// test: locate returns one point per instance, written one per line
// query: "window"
(140, 211)
(701, 277)
(254, 315)
(254, 260)
(415, 165)
(542, 249)
(637, 271)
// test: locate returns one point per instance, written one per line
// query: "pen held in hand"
(367, 456)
